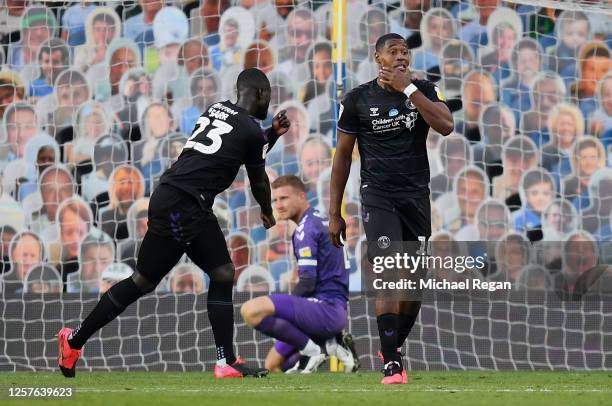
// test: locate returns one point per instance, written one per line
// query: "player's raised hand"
(281, 123)
(398, 77)
(268, 220)
(337, 231)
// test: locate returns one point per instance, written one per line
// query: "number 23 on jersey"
(218, 129)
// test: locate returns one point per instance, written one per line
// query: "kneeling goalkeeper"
(308, 322)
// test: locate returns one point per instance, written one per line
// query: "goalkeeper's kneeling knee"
(255, 310)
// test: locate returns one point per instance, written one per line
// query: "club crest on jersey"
(305, 252)
(411, 119)
(383, 242)
(373, 111)
(410, 105)
(393, 112)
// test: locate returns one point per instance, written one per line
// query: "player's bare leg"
(274, 360)
(255, 310)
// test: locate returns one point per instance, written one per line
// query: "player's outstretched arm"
(260, 186)
(280, 125)
(436, 114)
(340, 172)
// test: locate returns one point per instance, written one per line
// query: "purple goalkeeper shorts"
(318, 319)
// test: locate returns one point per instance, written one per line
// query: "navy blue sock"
(111, 304)
(388, 333)
(406, 322)
(221, 315)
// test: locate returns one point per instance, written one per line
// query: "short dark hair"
(44, 148)
(252, 78)
(322, 46)
(43, 273)
(520, 148)
(380, 42)
(70, 77)
(525, 43)
(7, 229)
(537, 176)
(52, 45)
(77, 206)
(289, 180)
(96, 240)
(594, 50)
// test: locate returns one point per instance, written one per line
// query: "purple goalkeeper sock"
(291, 361)
(284, 331)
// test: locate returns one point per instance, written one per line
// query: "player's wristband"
(410, 89)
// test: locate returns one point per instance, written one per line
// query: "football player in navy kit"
(389, 117)
(226, 136)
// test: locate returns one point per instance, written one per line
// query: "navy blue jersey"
(225, 137)
(391, 136)
(318, 257)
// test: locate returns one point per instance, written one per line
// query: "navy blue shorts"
(177, 226)
(393, 219)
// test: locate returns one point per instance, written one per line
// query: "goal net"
(98, 98)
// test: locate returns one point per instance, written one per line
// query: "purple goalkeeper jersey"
(318, 257)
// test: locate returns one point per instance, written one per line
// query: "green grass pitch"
(323, 389)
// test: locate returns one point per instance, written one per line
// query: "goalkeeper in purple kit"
(308, 323)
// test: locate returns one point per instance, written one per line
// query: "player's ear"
(261, 93)
(377, 57)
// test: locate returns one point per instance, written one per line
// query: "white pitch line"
(267, 389)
